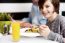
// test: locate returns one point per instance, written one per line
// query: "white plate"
(22, 30)
(30, 34)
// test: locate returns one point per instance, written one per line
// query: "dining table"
(25, 38)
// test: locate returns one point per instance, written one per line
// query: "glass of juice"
(15, 31)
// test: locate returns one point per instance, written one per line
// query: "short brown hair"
(54, 2)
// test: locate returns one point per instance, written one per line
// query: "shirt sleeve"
(29, 19)
(62, 25)
(25, 19)
(55, 37)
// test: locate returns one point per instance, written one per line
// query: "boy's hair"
(54, 2)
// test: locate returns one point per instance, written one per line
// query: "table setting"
(23, 35)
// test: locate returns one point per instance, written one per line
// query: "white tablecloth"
(24, 39)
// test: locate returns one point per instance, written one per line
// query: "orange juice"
(15, 31)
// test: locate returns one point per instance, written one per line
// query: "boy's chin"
(46, 17)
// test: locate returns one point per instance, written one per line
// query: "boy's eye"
(47, 6)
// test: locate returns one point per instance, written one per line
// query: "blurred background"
(19, 9)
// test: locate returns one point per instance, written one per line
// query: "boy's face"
(48, 9)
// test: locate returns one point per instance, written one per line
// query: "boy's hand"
(44, 30)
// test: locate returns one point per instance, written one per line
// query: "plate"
(30, 34)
